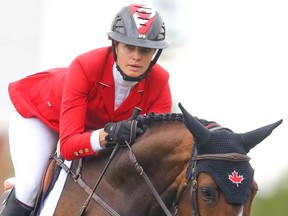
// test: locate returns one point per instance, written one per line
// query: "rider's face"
(133, 60)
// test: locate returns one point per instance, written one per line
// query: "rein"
(92, 195)
(135, 113)
(142, 173)
(77, 178)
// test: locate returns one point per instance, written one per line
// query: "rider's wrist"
(102, 140)
(95, 141)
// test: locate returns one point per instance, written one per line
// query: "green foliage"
(274, 205)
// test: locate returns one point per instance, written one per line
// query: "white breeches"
(31, 145)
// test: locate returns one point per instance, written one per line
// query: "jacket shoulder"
(158, 74)
(99, 54)
(92, 64)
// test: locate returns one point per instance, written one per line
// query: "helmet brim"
(141, 42)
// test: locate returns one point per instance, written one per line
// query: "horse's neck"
(163, 148)
(163, 152)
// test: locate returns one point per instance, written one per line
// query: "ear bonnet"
(235, 178)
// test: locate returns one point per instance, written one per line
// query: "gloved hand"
(120, 132)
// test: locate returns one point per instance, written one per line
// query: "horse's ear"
(252, 138)
(198, 131)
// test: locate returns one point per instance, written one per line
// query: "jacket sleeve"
(80, 84)
(74, 141)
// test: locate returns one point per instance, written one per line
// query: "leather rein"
(92, 195)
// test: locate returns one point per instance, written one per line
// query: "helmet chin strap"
(144, 75)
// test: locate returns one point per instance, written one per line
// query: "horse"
(179, 166)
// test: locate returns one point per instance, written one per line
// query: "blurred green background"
(275, 204)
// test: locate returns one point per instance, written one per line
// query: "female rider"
(86, 105)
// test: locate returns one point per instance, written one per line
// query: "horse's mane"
(171, 117)
(147, 119)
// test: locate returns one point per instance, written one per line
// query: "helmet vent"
(161, 34)
(119, 25)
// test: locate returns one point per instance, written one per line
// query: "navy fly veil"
(235, 178)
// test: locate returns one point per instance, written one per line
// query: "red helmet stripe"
(143, 17)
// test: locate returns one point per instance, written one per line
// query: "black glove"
(120, 132)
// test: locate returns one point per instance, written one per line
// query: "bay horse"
(207, 173)
(177, 167)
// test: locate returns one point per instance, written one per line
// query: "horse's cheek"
(248, 205)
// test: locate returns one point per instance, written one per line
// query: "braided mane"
(146, 119)
(172, 117)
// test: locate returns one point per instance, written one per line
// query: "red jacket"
(81, 98)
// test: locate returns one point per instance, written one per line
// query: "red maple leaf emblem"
(235, 178)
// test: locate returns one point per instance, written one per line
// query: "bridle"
(191, 174)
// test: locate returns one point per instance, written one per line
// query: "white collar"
(118, 79)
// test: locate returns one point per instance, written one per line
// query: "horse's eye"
(209, 194)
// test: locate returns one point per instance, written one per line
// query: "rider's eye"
(130, 47)
(146, 50)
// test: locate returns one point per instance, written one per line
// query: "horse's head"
(220, 166)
